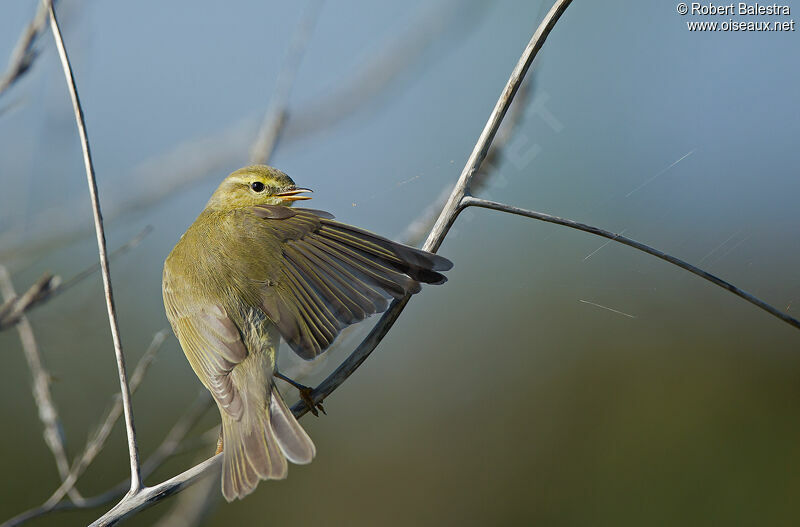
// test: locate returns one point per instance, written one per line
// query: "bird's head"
(256, 185)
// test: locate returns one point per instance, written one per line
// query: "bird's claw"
(306, 396)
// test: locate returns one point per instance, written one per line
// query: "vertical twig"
(133, 452)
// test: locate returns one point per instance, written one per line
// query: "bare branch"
(468, 201)
(136, 480)
(48, 415)
(24, 54)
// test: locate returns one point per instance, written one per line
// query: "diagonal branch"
(133, 453)
(470, 201)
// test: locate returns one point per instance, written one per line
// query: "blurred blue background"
(507, 396)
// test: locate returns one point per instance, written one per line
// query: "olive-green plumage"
(251, 270)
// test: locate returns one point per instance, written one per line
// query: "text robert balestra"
(741, 8)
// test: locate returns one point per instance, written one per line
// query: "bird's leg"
(305, 394)
(219, 443)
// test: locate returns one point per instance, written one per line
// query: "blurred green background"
(507, 396)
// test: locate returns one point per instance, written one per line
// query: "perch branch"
(468, 201)
(133, 453)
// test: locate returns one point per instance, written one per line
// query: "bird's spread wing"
(211, 341)
(328, 274)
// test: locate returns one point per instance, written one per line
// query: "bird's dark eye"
(257, 186)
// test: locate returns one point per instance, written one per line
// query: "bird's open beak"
(292, 194)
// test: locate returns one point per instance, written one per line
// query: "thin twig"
(607, 308)
(48, 414)
(477, 202)
(136, 480)
(24, 53)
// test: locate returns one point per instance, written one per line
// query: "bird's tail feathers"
(258, 445)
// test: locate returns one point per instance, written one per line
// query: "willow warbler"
(252, 270)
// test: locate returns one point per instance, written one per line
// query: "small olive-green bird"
(250, 270)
